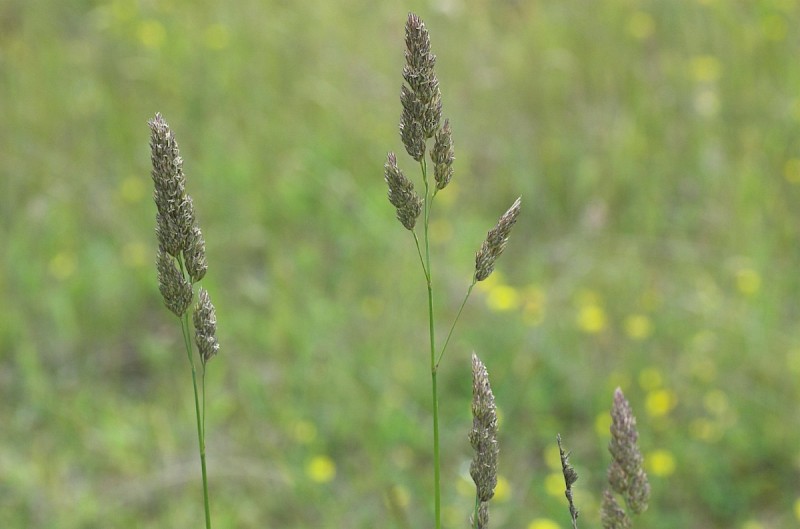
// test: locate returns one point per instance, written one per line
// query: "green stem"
(452, 327)
(200, 416)
(475, 512)
(437, 494)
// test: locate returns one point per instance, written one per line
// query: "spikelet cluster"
(181, 255)
(495, 242)
(483, 438)
(420, 121)
(420, 96)
(401, 193)
(570, 477)
(626, 475)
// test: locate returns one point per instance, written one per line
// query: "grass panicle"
(421, 97)
(443, 156)
(205, 326)
(181, 262)
(626, 475)
(483, 438)
(421, 121)
(495, 242)
(570, 477)
(175, 288)
(401, 193)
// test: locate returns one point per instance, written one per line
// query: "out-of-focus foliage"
(657, 149)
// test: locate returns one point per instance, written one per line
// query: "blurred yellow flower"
(303, 432)
(543, 523)
(706, 102)
(793, 360)
(398, 496)
(448, 198)
(650, 379)
(372, 306)
(465, 486)
(533, 305)
(640, 25)
(503, 298)
(490, 282)
(704, 369)
(660, 402)
(592, 318)
(441, 231)
(136, 255)
(748, 281)
(791, 170)
(602, 425)
(660, 463)
(638, 326)
(132, 190)
(705, 430)
(797, 509)
(502, 492)
(705, 68)
(716, 402)
(774, 27)
(151, 34)
(554, 483)
(62, 265)
(217, 37)
(321, 469)
(552, 457)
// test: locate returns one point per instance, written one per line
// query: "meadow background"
(657, 148)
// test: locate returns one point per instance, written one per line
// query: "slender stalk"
(453, 326)
(200, 416)
(437, 474)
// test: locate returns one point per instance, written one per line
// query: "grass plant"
(655, 145)
(420, 122)
(181, 262)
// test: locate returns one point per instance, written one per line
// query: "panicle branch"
(495, 242)
(483, 438)
(626, 475)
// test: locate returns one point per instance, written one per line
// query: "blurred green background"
(657, 148)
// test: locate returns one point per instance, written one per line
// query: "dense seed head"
(483, 517)
(442, 156)
(175, 289)
(195, 255)
(626, 475)
(170, 187)
(612, 516)
(570, 477)
(176, 226)
(401, 193)
(421, 98)
(483, 436)
(495, 242)
(205, 326)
